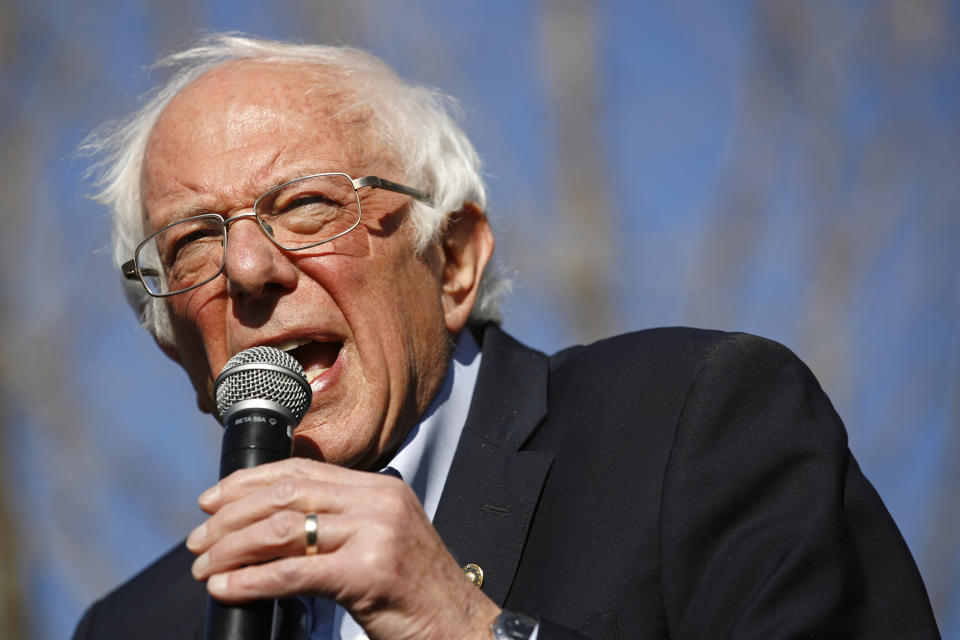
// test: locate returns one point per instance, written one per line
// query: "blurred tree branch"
(582, 253)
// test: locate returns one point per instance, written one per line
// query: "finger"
(283, 534)
(281, 578)
(305, 496)
(246, 481)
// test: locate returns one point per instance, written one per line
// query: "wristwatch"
(513, 626)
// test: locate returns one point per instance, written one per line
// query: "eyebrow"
(295, 173)
(181, 215)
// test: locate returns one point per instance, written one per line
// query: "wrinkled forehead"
(245, 103)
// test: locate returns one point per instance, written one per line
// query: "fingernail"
(196, 536)
(208, 496)
(199, 565)
(217, 582)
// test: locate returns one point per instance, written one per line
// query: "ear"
(204, 402)
(467, 246)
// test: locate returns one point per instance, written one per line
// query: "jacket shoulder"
(630, 393)
(674, 353)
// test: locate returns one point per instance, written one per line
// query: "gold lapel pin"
(474, 574)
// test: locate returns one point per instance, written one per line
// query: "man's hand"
(377, 553)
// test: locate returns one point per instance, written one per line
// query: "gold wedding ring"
(310, 528)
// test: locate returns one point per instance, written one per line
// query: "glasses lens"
(182, 255)
(309, 211)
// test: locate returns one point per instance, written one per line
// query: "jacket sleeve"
(768, 527)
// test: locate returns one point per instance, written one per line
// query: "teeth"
(313, 374)
(289, 345)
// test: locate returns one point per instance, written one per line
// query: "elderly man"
(668, 483)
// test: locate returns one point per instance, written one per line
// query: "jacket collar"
(493, 487)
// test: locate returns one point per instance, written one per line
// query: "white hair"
(415, 125)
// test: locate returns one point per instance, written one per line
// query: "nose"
(254, 266)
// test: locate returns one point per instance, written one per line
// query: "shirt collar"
(424, 458)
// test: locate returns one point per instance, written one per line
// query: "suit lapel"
(493, 488)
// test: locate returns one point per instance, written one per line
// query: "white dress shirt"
(423, 461)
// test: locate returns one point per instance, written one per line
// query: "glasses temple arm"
(129, 271)
(389, 185)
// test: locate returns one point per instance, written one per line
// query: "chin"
(315, 443)
(305, 447)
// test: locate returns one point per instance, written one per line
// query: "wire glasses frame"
(139, 268)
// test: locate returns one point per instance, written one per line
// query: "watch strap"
(513, 626)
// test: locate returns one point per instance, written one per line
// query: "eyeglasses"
(295, 215)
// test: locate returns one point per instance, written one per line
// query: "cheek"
(192, 356)
(199, 324)
(416, 311)
(389, 298)
(341, 268)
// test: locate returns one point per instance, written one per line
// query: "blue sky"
(809, 198)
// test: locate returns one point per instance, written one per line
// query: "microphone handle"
(249, 440)
(247, 443)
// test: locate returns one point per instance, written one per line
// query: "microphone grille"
(263, 373)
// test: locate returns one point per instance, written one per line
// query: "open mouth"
(316, 358)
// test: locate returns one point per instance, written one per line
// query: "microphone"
(262, 394)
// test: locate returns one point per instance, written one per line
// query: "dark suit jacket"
(670, 483)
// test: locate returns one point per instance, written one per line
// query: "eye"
(309, 204)
(185, 239)
(192, 237)
(311, 200)
(305, 216)
(310, 210)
